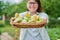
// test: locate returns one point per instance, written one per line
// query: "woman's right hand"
(12, 21)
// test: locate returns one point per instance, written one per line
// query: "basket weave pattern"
(29, 25)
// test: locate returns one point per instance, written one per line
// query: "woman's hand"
(12, 21)
(44, 22)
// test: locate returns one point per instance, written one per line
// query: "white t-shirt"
(34, 33)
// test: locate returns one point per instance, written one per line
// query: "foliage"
(14, 32)
(53, 22)
(10, 10)
(1, 5)
(1, 23)
(52, 7)
(54, 33)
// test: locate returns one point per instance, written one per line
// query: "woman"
(34, 7)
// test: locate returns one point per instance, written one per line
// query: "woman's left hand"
(44, 22)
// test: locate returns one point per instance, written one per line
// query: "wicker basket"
(29, 25)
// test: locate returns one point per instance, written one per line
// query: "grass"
(54, 33)
(14, 32)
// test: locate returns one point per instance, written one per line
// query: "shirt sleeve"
(44, 15)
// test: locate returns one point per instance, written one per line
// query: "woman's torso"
(32, 32)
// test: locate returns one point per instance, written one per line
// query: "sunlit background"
(9, 7)
(12, 1)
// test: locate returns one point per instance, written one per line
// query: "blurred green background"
(51, 7)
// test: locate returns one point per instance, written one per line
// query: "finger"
(12, 19)
(11, 22)
(45, 19)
